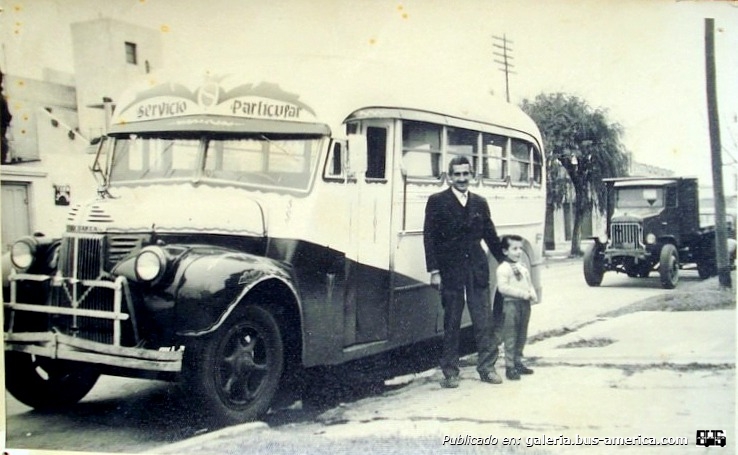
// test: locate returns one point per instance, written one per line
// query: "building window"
(131, 53)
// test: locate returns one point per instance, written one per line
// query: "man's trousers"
(480, 310)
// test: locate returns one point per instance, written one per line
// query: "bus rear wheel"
(234, 373)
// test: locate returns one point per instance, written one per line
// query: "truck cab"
(652, 224)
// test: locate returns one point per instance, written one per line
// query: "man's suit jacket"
(452, 235)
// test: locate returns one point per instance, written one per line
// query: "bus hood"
(170, 209)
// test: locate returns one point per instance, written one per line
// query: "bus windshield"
(282, 161)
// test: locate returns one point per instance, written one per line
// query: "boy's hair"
(506, 239)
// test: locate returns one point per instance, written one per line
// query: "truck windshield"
(281, 161)
(639, 197)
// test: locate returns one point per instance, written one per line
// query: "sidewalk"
(645, 373)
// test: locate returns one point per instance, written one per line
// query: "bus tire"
(234, 373)
(44, 383)
(594, 268)
(669, 266)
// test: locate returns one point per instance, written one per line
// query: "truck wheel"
(706, 269)
(594, 267)
(234, 373)
(669, 266)
(44, 383)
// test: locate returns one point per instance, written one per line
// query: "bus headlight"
(650, 238)
(150, 264)
(602, 239)
(23, 253)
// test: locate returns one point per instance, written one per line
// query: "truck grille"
(626, 235)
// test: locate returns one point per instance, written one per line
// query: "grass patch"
(593, 343)
(706, 296)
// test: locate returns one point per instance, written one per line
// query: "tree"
(582, 141)
(4, 122)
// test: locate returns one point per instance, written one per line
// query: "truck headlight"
(23, 253)
(602, 239)
(650, 238)
(150, 264)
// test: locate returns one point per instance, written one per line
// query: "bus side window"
(376, 139)
(494, 156)
(462, 142)
(334, 166)
(421, 149)
(520, 161)
(537, 166)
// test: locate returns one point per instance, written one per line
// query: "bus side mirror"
(357, 159)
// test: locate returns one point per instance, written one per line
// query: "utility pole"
(721, 237)
(504, 54)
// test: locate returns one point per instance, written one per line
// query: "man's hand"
(435, 280)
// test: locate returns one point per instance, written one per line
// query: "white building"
(54, 119)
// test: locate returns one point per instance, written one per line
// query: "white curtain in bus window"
(151, 158)
(494, 165)
(520, 161)
(462, 142)
(421, 149)
(285, 162)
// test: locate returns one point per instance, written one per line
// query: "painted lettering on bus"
(264, 109)
(162, 109)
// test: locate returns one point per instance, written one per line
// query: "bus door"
(366, 310)
(418, 312)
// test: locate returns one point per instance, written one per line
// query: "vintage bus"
(244, 230)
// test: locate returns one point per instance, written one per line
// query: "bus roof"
(297, 99)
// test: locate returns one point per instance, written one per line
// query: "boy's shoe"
(512, 374)
(491, 377)
(450, 382)
(522, 369)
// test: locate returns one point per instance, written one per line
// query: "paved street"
(651, 373)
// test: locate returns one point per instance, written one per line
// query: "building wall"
(64, 162)
(101, 68)
(26, 97)
(52, 124)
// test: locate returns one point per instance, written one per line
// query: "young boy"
(513, 282)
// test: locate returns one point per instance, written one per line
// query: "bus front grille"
(81, 263)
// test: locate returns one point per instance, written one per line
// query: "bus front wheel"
(234, 373)
(44, 383)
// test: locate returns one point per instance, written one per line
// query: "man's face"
(460, 175)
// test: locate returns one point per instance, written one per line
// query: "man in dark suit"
(455, 223)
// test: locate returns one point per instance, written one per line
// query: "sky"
(642, 61)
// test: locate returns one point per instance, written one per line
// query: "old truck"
(652, 224)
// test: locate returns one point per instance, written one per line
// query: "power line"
(506, 59)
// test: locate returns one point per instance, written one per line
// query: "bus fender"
(211, 287)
